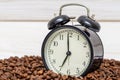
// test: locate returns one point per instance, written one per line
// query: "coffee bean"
(54, 75)
(12, 64)
(48, 77)
(32, 68)
(64, 77)
(40, 72)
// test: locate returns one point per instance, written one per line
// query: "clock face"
(67, 51)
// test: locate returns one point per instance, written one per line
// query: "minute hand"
(68, 41)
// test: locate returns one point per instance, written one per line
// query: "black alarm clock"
(72, 50)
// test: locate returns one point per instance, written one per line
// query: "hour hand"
(67, 55)
(64, 60)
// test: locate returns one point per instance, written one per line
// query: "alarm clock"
(73, 50)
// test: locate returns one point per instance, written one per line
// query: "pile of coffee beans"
(32, 68)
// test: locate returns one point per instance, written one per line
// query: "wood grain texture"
(43, 10)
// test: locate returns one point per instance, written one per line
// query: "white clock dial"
(67, 51)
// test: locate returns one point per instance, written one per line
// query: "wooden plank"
(38, 10)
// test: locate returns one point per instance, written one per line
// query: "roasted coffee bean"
(40, 72)
(54, 75)
(32, 68)
(64, 77)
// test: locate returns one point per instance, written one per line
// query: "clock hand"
(68, 41)
(68, 52)
(64, 61)
(68, 46)
(67, 55)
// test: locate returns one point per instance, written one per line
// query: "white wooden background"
(42, 10)
(25, 38)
